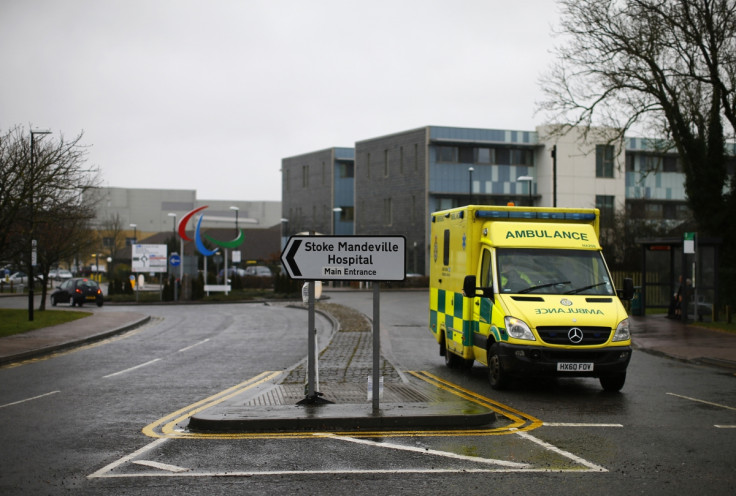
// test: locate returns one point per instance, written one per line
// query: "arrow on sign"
(291, 264)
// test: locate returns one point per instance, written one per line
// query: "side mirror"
(628, 290)
(469, 287)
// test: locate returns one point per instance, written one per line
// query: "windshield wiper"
(540, 286)
(576, 291)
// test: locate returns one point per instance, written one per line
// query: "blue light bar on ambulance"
(528, 214)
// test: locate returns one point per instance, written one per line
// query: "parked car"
(77, 291)
(18, 278)
(258, 271)
(60, 275)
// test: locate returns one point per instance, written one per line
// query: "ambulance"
(526, 292)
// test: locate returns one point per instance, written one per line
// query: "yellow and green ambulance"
(526, 291)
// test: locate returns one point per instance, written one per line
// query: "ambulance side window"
(446, 249)
(486, 269)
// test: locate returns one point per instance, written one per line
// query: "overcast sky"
(211, 95)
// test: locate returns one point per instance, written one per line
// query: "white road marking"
(161, 466)
(425, 451)
(725, 426)
(131, 368)
(702, 401)
(194, 345)
(571, 424)
(109, 468)
(29, 399)
(566, 454)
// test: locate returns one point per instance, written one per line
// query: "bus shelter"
(680, 266)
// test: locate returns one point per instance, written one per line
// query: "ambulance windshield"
(549, 271)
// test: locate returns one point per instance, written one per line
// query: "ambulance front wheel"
(613, 383)
(498, 377)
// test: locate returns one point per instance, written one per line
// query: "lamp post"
(470, 184)
(337, 211)
(284, 230)
(529, 180)
(32, 254)
(173, 226)
(135, 233)
(232, 207)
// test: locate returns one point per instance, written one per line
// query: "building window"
(604, 161)
(385, 163)
(324, 173)
(447, 154)
(288, 182)
(669, 164)
(305, 176)
(345, 170)
(485, 155)
(466, 155)
(416, 156)
(387, 214)
(604, 203)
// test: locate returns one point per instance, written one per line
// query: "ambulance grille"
(561, 335)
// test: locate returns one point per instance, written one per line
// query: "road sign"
(149, 258)
(345, 258)
(174, 260)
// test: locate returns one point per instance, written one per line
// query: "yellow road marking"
(166, 426)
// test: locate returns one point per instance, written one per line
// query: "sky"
(211, 95)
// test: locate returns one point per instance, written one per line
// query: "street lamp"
(32, 260)
(284, 230)
(173, 226)
(232, 207)
(528, 179)
(470, 184)
(337, 211)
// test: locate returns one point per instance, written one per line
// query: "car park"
(78, 291)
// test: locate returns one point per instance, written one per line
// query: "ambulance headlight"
(518, 329)
(623, 333)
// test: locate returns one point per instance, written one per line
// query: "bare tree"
(665, 67)
(48, 198)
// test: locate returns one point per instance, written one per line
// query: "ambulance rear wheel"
(613, 383)
(452, 361)
(498, 378)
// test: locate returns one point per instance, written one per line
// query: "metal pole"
(376, 343)
(311, 345)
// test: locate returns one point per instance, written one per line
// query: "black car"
(77, 291)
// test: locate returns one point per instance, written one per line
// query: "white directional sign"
(345, 258)
(149, 258)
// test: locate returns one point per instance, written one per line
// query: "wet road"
(74, 422)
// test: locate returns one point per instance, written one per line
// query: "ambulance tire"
(452, 361)
(496, 375)
(613, 383)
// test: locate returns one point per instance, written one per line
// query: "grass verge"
(15, 321)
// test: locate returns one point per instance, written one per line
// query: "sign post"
(346, 258)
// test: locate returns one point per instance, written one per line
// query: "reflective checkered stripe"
(448, 308)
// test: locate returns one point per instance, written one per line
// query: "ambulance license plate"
(574, 367)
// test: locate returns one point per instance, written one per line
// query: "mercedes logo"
(575, 335)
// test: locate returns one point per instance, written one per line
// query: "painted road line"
(725, 426)
(161, 466)
(169, 422)
(520, 420)
(112, 466)
(702, 401)
(575, 424)
(193, 346)
(29, 399)
(427, 451)
(592, 466)
(131, 368)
